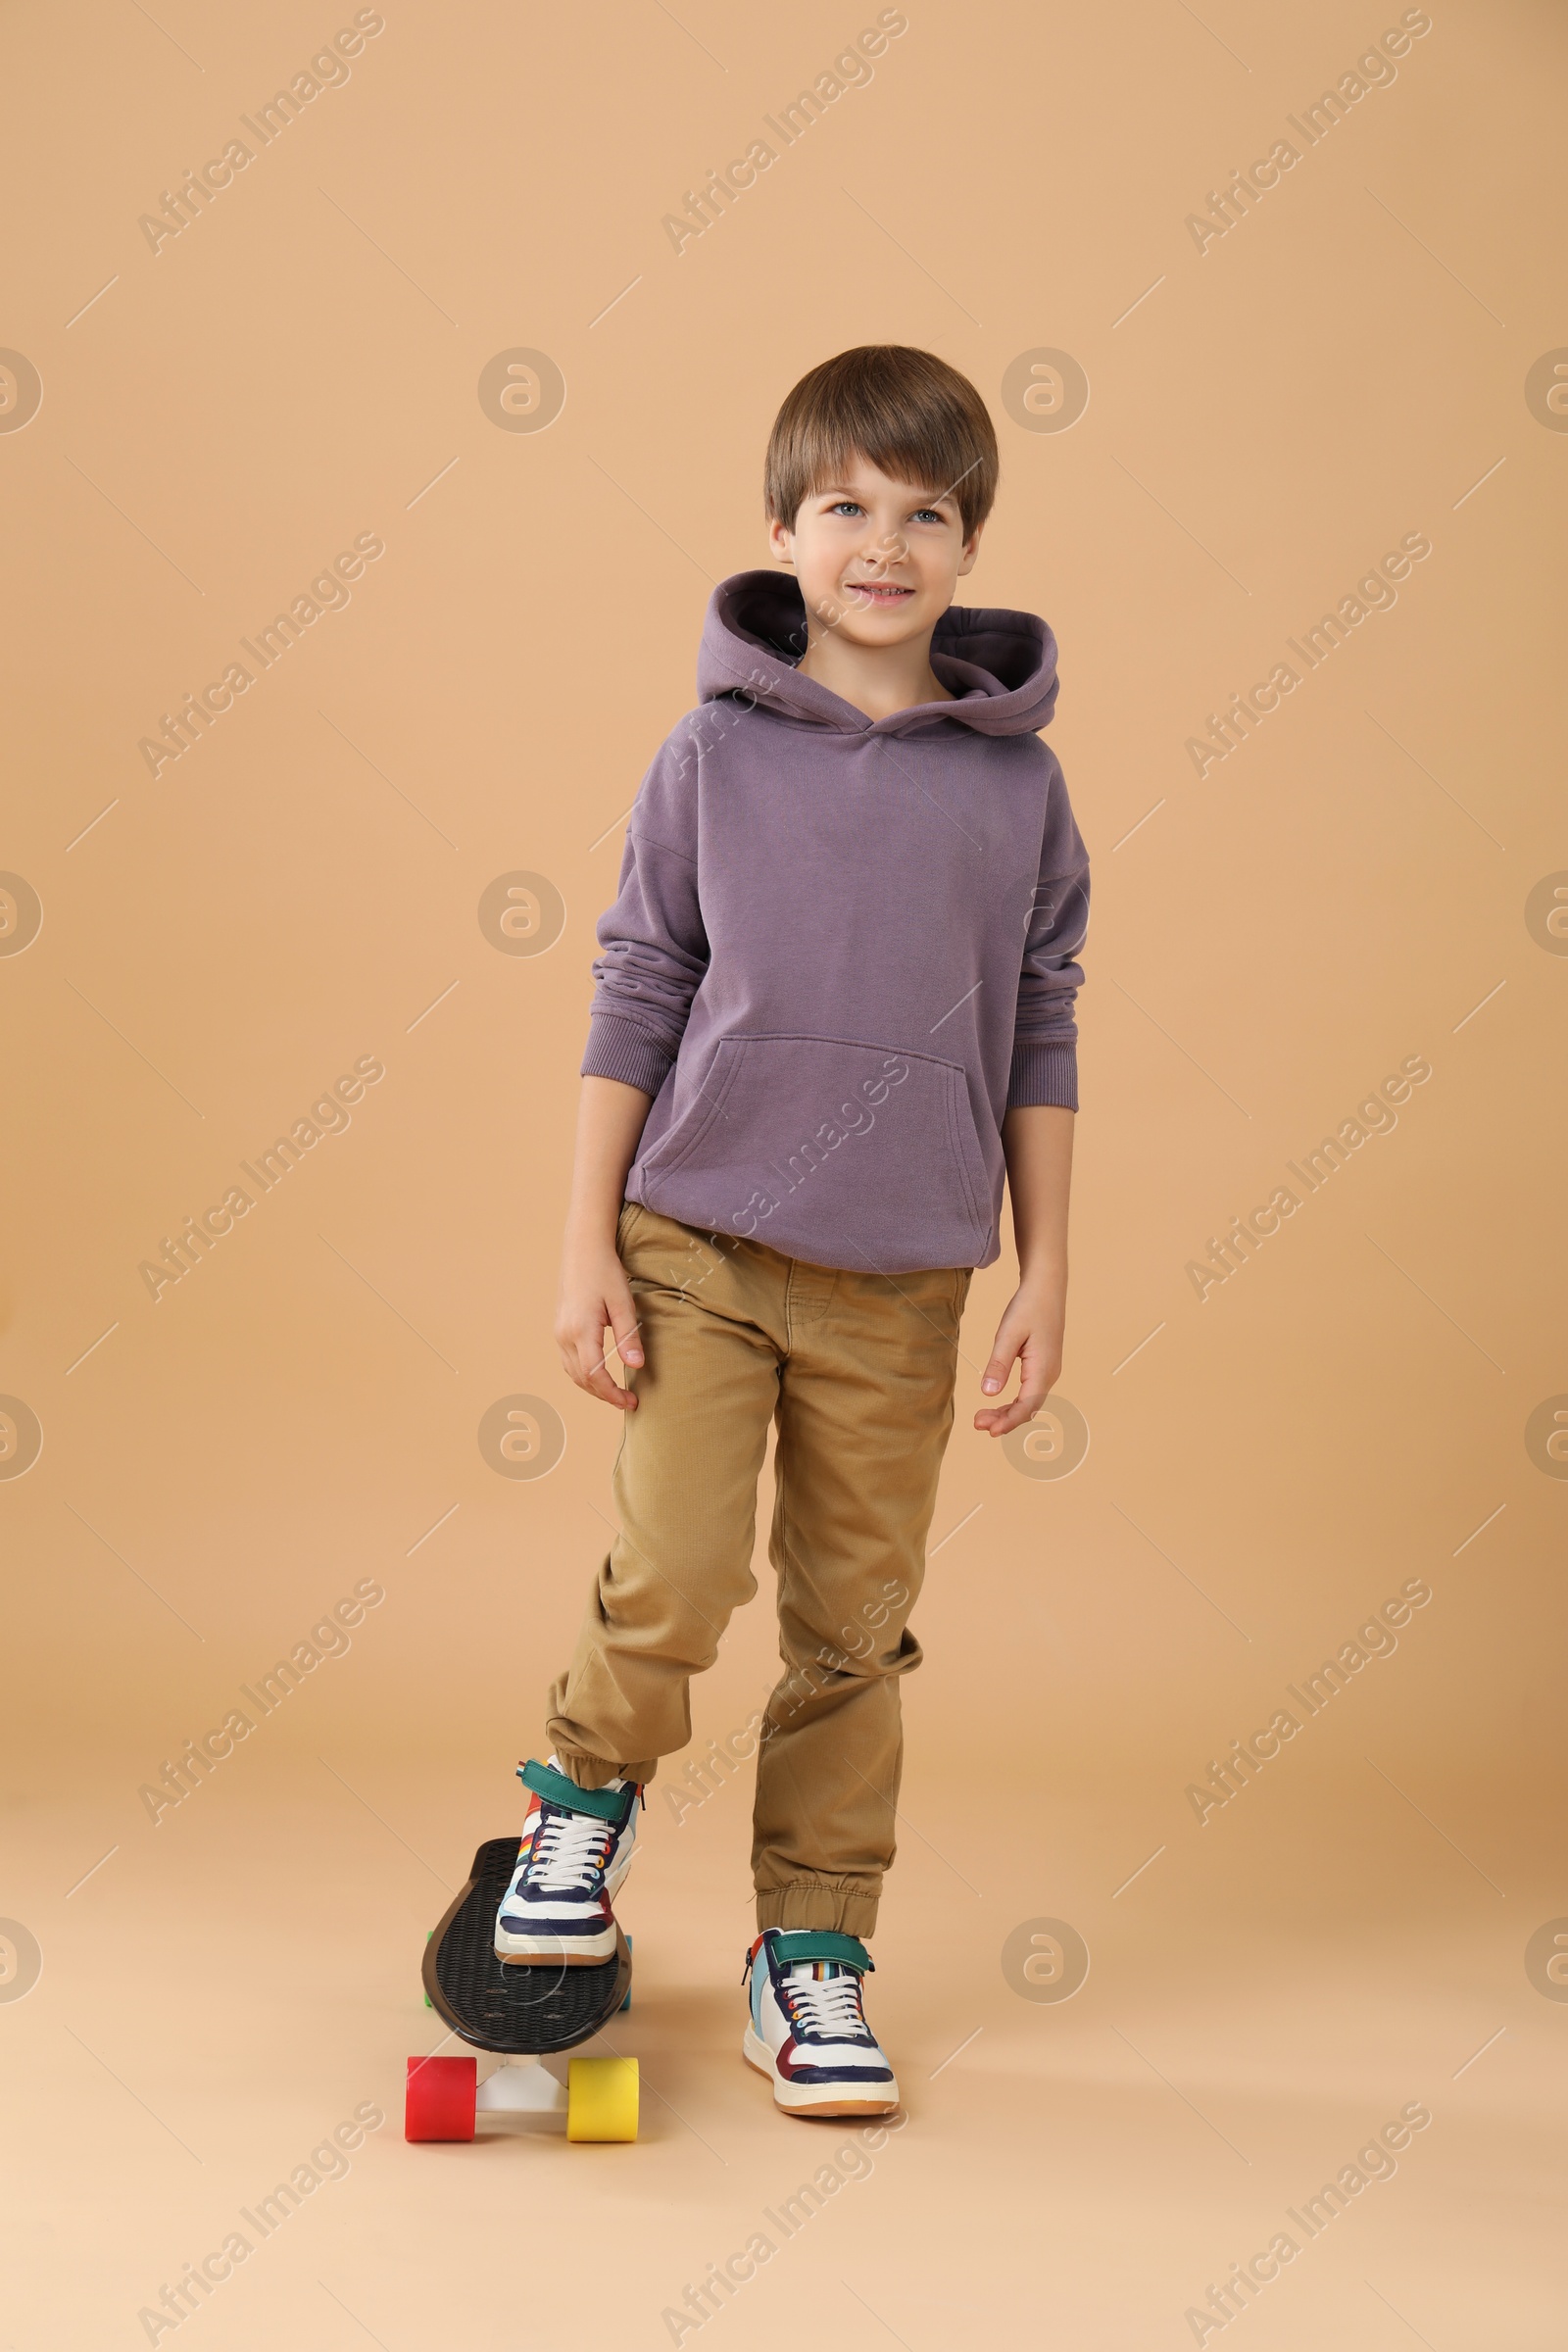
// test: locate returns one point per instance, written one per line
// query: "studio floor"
(217, 1999)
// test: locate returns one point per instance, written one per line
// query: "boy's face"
(877, 560)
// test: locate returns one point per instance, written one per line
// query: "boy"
(834, 1009)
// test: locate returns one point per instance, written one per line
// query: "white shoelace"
(568, 1850)
(825, 2006)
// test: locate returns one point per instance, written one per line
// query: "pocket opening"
(838, 1149)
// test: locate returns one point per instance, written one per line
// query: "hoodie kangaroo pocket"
(844, 1154)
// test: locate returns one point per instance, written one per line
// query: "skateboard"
(520, 2013)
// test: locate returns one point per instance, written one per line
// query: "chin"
(886, 620)
(876, 634)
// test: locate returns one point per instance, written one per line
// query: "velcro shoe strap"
(821, 1943)
(605, 1804)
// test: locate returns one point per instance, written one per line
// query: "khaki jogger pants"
(858, 1371)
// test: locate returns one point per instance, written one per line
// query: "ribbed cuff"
(623, 1050)
(849, 1908)
(1044, 1074)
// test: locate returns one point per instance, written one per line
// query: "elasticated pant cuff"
(817, 1903)
(592, 1771)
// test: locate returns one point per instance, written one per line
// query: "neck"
(878, 681)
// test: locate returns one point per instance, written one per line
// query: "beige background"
(301, 889)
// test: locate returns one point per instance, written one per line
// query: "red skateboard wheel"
(439, 2104)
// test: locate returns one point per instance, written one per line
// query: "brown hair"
(906, 410)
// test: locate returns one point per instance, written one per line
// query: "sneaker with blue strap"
(575, 1850)
(807, 2030)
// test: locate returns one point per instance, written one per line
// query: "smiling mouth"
(879, 592)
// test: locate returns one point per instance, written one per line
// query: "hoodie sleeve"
(653, 942)
(1045, 1047)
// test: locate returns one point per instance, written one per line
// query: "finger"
(624, 1323)
(993, 1419)
(600, 1382)
(1022, 1408)
(1037, 1375)
(1003, 1355)
(585, 1365)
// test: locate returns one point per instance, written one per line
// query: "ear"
(781, 542)
(971, 549)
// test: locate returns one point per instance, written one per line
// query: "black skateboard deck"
(512, 2008)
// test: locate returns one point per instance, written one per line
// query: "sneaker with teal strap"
(575, 1849)
(807, 2031)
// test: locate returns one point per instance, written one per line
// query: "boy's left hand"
(1029, 1335)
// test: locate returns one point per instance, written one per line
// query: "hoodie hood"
(999, 666)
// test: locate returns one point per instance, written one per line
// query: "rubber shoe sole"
(813, 2098)
(566, 1952)
(535, 1951)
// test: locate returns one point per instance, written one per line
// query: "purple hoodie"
(844, 947)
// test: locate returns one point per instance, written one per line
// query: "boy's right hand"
(596, 1296)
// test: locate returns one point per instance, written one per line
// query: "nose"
(880, 554)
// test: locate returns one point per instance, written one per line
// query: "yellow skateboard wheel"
(602, 2099)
